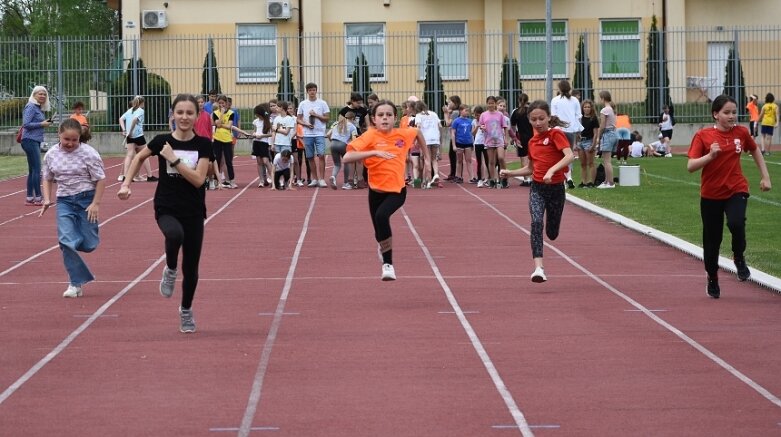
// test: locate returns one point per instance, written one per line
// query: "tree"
(286, 89)
(137, 81)
(361, 77)
(433, 90)
(657, 80)
(36, 18)
(510, 86)
(734, 82)
(581, 80)
(210, 78)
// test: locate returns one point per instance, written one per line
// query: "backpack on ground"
(600, 175)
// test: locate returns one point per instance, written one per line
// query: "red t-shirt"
(722, 177)
(386, 175)
(545, 150)
(203, 125)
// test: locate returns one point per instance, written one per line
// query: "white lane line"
(45, 251)
(95, 316)
(680, 334)
(507, 397)
(265, 356)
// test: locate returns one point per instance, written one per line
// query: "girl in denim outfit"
(77, 169)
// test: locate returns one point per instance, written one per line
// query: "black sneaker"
(713, 289)
(151, 179)
(581, 185)
(570, 184)
(743, 272)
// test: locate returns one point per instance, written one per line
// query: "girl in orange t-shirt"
(383, 151)
(549, 157)
(753, 115)
(724, 190)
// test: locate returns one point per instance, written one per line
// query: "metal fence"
(257, 64)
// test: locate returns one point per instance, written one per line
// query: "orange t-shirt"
(722, 177)
(81, 119)
(404, 121)
(386, 175)
(300, 136)
(623, 121)
(753, 111)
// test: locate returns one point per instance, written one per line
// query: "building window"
(532, 49)
(369, 39)
(620, 48)
(450, 41)
(257, 52)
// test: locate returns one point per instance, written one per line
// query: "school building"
(323, 39)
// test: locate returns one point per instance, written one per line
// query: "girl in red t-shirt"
(549, 157)
(724, 190)
(383, 150)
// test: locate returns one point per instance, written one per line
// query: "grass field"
(667, 199)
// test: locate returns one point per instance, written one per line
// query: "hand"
(714, 150)
(764, 184)
(504, 173)
(548, 178)
(46, 123)
(46, 204)
(168, 153)
(124, 192)
(92, 213)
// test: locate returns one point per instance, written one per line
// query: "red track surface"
(334, 351)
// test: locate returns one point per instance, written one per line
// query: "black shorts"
(138, 141)
(261, 149)
(463, 146)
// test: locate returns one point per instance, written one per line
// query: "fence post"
(134, 67)
(548, 51)
(585, 68)
(60, 92)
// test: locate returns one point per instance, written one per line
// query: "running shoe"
(312, 183)
(321, 183)
(151, 178)
(712, 288)
(539, 275)
(332, 181)
(388, 273)
(347, 186)
(570, 184)
(73, 291)
(168, 282)
(743, 272)
(187, 322)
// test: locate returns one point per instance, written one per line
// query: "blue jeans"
(32, 149)
(76, 234)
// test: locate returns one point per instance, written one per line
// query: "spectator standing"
(769, 117)
(313, 113)
(33, 123)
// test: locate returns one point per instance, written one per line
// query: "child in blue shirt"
(462, 141)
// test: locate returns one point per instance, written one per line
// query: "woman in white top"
(606, 139)
(428, 123)
(567, 108)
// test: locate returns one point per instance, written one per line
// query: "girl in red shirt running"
(383, 151)
(724, 190)
(549, 157)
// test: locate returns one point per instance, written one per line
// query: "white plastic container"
(629, 175)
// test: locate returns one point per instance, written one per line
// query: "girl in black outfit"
(180, 200)
(586, 149)
(520, 119)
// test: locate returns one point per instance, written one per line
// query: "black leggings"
(224, 149)
(480, 154)
(548, 201)
(185, 233)
(451, 154)
(712, 213)
(381, 207)
(285, 174)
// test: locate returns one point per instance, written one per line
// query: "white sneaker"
(312, 183)
(300, 183)
(322, 183)
(480, 183)
(233, 185)
(604, 185)
(73, 291)
(435, 179)
(388, 273)
(347, 186)
(539, 275)
(333, 182)
(121, 178)
(669, 155)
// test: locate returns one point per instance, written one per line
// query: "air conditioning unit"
(154, 20)
(278, 10)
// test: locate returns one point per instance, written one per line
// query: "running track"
(297, 336)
